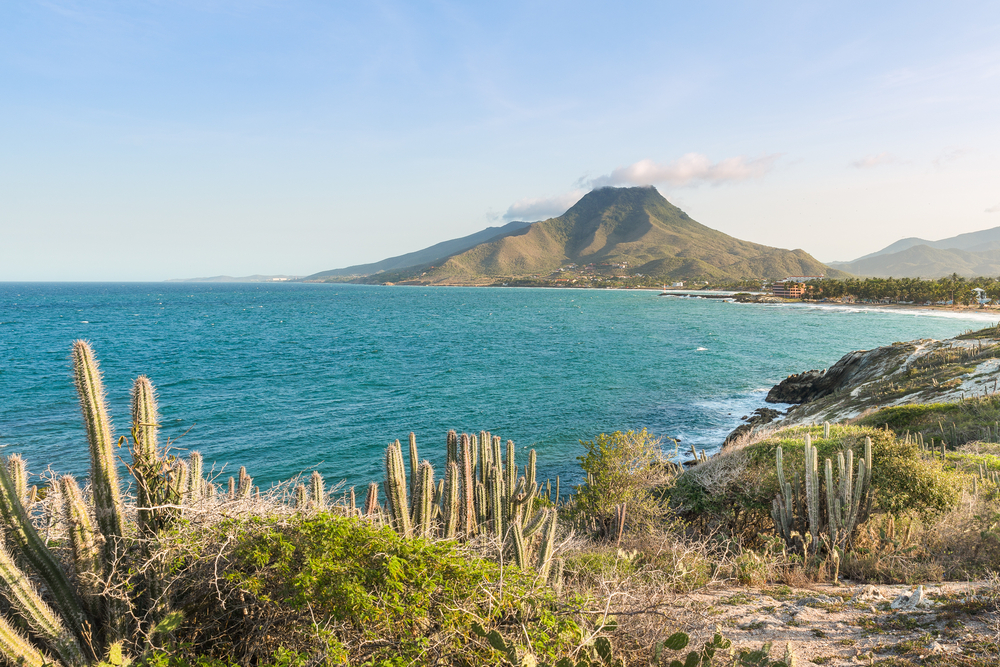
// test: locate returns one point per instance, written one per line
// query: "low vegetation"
(647, 562)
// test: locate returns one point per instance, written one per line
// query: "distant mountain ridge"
(256, 278)
(969, 254)
(427, 256)
(633, 227)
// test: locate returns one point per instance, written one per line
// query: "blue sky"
(159, 139)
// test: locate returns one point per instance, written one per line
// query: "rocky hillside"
(921, 371)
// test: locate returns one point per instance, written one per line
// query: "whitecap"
(702, 349)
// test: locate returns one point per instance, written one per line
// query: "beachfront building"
(792, 287)
(788, 289)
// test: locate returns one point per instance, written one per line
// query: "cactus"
(548, 544)
(245, 484)
(319, 495)
(423, 501)
(450, 503)
(481, 491)
(301, 496)
(467, 516)
(84, 544)
(414, 461)
(395, 489)
(103, 473)
(18, 470)
(197, 486)
(371, 500)
(352, 503)
(23, 536)
(802, 521)
(43, 620)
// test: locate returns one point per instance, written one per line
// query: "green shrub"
(732, 493)
(622, 467)
(339, 590)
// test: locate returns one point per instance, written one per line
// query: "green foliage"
(623, 468)
(373, 588)
(679, 641)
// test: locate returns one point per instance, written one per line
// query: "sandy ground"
(851, 624)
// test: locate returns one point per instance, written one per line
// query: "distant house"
(981, 297)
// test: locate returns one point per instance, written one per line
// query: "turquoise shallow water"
(285, 378)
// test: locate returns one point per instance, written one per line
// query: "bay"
(287, 378)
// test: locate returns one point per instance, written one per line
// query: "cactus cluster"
(801, 516)
(483, 493)
(88, 615)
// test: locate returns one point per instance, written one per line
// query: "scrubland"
(888, 555)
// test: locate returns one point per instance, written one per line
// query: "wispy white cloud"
(993, 209)
(689, 170)
(541, 208)
(874, 160)
(950, 156)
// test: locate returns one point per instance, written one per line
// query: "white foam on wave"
(882, 310)
(701, 349)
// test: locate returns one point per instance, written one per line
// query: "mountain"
(970, 254)
(923, 261)
(633, 225)
(428, 256)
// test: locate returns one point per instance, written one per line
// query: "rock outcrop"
(854, 368)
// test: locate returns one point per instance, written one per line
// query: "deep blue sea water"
(287, 378)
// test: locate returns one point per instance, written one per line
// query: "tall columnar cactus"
(450, 509)
(371, 500)
(26, 540)
(467, 520)
(414, 460)
(145, 421)
(318, 493)
(423, 501)
(103, 472)
(395, 489)
(196, 466)
(548, 543)
(18, 469)
(803, 521)
(83, 540)
(245, 487)
(42, 619)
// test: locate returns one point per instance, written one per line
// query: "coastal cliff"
(915, 372)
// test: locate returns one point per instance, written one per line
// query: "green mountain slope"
(633, 225)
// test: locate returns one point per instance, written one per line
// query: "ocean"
(288, 378)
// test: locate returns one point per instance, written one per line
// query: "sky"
(148, 140)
